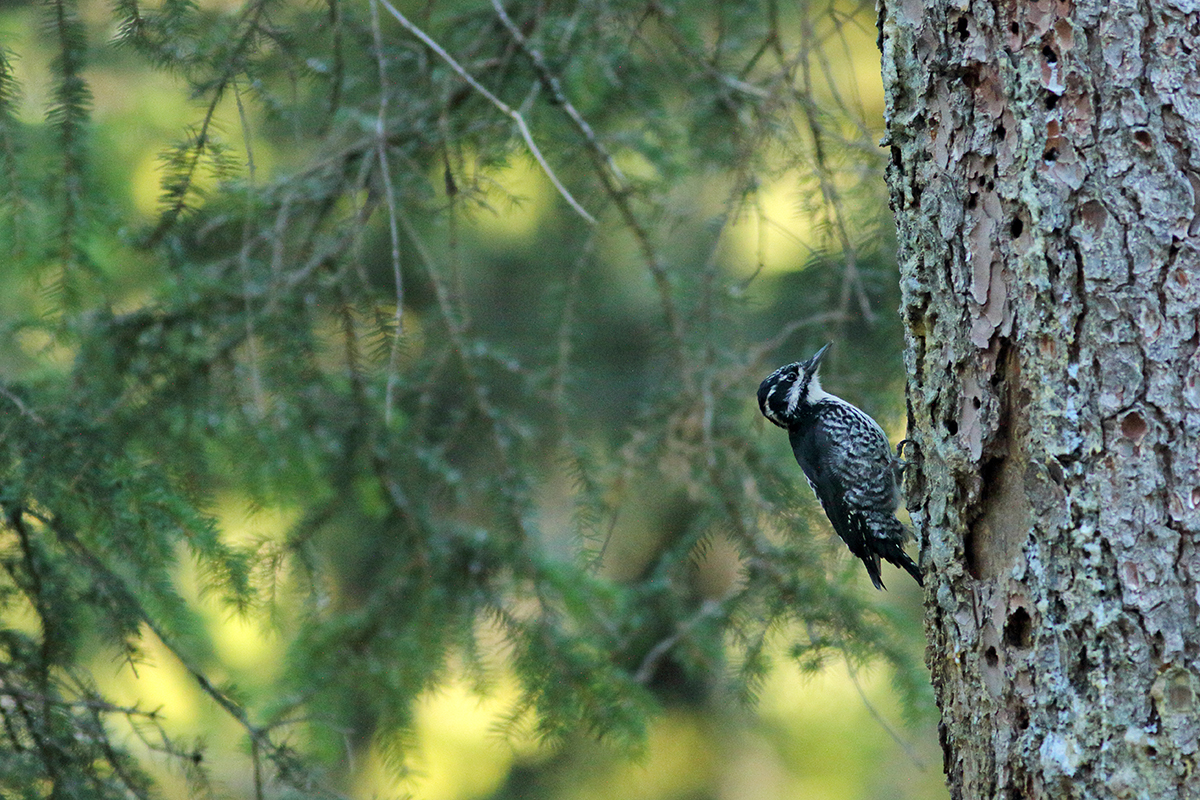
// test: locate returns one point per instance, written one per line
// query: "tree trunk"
(1045, 177)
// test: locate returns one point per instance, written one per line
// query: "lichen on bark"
(1045, 177)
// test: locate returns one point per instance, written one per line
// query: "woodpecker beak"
(817, 357)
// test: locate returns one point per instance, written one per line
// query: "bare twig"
(390, 198)
(905, 746)
(20, 404)
(708, 610)
(729, 81)
(558, 380)
(551, 83)
(852, 287)
(89, 703)
(611, 178)
(500, 105)
(257, 761)
(758, 352)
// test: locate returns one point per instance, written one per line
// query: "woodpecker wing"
(852, 476)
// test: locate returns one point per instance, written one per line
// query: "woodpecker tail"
(908, 565)
(871, 561)
(888, 543)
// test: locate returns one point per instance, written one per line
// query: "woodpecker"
(847, 460)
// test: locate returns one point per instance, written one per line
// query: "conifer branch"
(248, 237)
(183, 165)
(444, 505)
(614, 182)
(103, 575)
(69, 115)
(852, 286)
(12, 200)
(724, 79)
(500, 105)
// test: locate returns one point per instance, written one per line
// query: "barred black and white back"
(847, 460)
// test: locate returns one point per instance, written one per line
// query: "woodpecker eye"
(773, 394)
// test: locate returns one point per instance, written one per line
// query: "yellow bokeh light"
(458, 753)
(157, 682)
(513, 199)
(246, 645)
(771, 234)
(680, 761)
(245, 642)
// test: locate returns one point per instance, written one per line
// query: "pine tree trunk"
(1045, 177)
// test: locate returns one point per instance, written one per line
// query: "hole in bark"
(1151, 751)
(972, 201)
(1153, 721)
(976, 402)
(1022, 718)
(1016, 227)
(1014, 28)
(1056, 472)
(1144, 140)
(1050, 155)
(1051, 101)
(969, 553)
(1080, 673)
(1049, 54)
(962, 30)
(951, 427)
(1001, 131)
(1018, 631)
(1133, 426)
(992, 657)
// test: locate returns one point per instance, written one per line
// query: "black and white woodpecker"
(848, 462)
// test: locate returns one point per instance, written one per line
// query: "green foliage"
(335, 335)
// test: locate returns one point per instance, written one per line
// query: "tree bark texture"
(1045, 177)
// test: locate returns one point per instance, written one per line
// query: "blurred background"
(410, 419)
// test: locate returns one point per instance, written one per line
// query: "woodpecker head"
(790, 388)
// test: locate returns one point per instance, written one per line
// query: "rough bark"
(1045, 177)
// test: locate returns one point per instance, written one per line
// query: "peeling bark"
(1045, 178)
